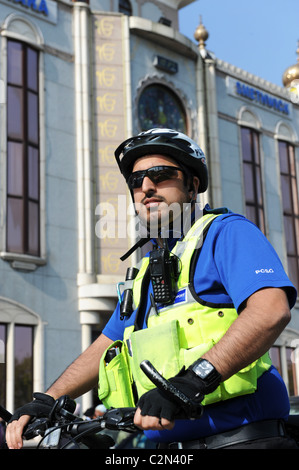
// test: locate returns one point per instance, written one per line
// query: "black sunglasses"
(156, 174)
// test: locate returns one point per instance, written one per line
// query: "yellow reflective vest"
(176, 336)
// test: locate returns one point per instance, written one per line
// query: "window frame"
(287, 366)
(12, 315)
(157, 79)
(125, 7)
(170, 94)
(21, 397)
(19, 28)
(28, 145)
(292, 213)
(254, 163)
(10, 367)
(3, 370)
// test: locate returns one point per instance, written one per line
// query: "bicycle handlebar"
(61, 419)
(4, 414)
(82, 431)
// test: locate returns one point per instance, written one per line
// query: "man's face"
(159, 204)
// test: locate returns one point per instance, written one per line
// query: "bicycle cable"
(53, 429)
(75, 439)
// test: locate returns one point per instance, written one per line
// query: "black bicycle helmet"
(165, 142)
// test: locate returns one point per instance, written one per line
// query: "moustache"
(152, 197)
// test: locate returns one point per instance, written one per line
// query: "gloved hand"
(38, 408)
(157, 403)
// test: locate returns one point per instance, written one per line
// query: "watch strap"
(211, 381)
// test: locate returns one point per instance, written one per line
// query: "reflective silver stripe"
(195, 231)
(189, 299)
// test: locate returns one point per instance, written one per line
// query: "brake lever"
(37, 427)
(120, 419)
(63, 407)
(192, 408)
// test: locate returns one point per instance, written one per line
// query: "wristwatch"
(205, 371)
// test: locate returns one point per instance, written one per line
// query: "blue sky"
(259, 36)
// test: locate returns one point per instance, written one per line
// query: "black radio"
(164, 271)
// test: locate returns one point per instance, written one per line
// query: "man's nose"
(148, 185)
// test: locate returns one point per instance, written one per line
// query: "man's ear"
(194, 186)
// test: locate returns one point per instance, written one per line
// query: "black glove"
(158, 403)
(38, 408)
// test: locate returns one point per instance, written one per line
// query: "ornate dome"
(201, 34)
(291, 73)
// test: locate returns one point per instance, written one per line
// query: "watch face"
(203, 368)
(158, 106)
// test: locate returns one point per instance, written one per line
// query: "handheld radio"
(164, 273)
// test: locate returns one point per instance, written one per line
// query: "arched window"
(159, 106)
(124, 6)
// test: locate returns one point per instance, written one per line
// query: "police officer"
(230, 298)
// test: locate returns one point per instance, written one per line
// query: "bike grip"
(163, 384)
(190, 408)
(4, 414)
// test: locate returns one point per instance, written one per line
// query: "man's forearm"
(252, 334)
(82, 375)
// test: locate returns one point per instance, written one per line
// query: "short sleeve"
(114, 329)
(247, 262)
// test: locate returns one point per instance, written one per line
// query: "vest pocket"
(188, 356)
(159, 345)
(115, 378)
(242, 383)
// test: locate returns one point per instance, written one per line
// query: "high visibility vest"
(176, 335)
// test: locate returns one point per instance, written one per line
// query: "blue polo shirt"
(235, 261)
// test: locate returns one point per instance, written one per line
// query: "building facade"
(76, 79)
